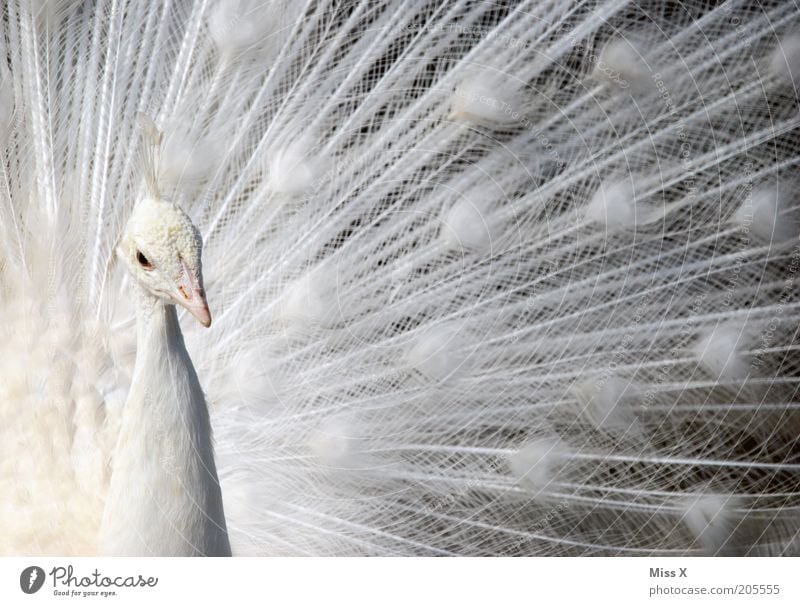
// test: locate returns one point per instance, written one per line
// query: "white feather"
(467, 298)
(438, 353)
(489, 98)
(537, 463)
(769, 215)
(711, 520)
(309, 299)
(784, 60)
(238, 26)
(722, 351)
(6, 101)
(623, 63)
(472, 222)
(603, 402)
(614, 205)
(296, 169)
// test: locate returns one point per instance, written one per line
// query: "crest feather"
(151, 139)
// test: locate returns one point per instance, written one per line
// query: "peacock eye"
(143, 261)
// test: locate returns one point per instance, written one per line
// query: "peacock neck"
(164, 496)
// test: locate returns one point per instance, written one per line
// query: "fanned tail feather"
(512, 278)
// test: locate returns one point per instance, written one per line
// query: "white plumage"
(613, 205)
(486, 278)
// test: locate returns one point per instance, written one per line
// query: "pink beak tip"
(204, 317)
(191, 296)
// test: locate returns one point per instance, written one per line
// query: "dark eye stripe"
(143, 261)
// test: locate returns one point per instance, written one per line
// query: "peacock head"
(162, 249)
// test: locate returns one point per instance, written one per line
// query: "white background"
(410, 581)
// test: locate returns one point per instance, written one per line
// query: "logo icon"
(31, 579)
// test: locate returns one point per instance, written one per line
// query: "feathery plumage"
(487, 278)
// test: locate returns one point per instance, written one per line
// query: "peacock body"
(487, 278)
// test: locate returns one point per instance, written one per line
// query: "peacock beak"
(191, 295)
